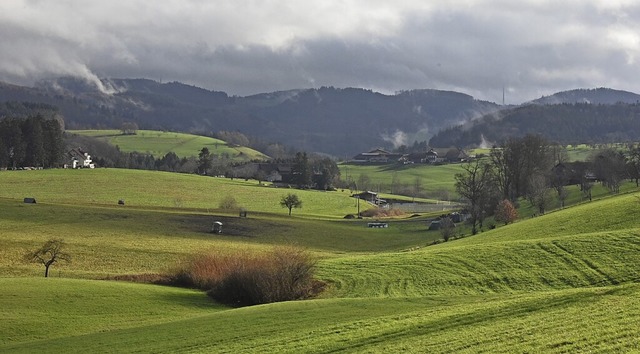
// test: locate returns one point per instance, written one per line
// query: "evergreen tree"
(32, 132)
(204, 161)
(53, 142)
(301, 170)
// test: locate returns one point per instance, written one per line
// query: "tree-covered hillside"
(328, 120)
(562, 123)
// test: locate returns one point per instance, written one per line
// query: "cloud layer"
(529, 48)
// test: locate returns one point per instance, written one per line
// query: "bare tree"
(539, 195)
(633, 163)
(517, 160)
(447, 228)
(290, 201)
(611, 168)
(477, 185)
(51, 252)
(364, 182)
(417, 187)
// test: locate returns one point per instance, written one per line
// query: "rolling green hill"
(165, 190)
(159, 143)
(567, 281)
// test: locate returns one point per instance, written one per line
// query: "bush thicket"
(242, 279)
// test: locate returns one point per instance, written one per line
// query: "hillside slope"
(561, 250)
(521, 288)
(562, 123)
(159, 143)
(329, 120)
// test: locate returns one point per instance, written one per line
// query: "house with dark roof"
(376, 156)
(79, 159)
(432, 156)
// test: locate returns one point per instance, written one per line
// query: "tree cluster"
(531, 168)
(314, 171)
(30, 142)
(307, 171)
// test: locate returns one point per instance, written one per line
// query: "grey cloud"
(477, 47)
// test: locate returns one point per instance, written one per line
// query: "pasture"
(564, 282)
(155, 189)
(159, 143)
(435, 181)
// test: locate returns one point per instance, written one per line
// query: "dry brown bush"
(228, 203)
(381, 213)
(241, 279)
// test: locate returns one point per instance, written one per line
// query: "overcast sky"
(242, 47)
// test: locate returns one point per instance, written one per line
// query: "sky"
(524, 48)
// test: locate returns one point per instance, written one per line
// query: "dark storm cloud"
(531, 48)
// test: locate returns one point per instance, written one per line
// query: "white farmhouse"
(79, 159)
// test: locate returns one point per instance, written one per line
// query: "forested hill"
(594, 96)
(561, 123)
(340, 122)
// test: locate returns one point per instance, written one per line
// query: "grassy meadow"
(144, 189)
(434, 180)
(159, 143)
(568, 281)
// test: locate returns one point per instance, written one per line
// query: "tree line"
(531, 168)
(306, 171)
(31, 142)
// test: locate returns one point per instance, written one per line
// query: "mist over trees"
(562, 123)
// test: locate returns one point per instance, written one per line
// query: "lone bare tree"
(447, 228)
(51, 252)
(476, 184)
(290, 201)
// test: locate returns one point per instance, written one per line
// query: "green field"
(434, 181)
(141, 189)
(159, 143)
(568, 281)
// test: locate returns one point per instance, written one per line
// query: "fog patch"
(397, 139)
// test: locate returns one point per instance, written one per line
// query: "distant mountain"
(562, 123)
(592, 96)
(340, 122)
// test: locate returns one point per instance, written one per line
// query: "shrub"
(242, 279)
(228, 203)
(506, 212)
(381, 212)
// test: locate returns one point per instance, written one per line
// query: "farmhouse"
(264, 171)
(79, 159)
(275, 172)
(431, 156)
(376, 156)
(451, 155)
(371, 197)
(572, 173)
